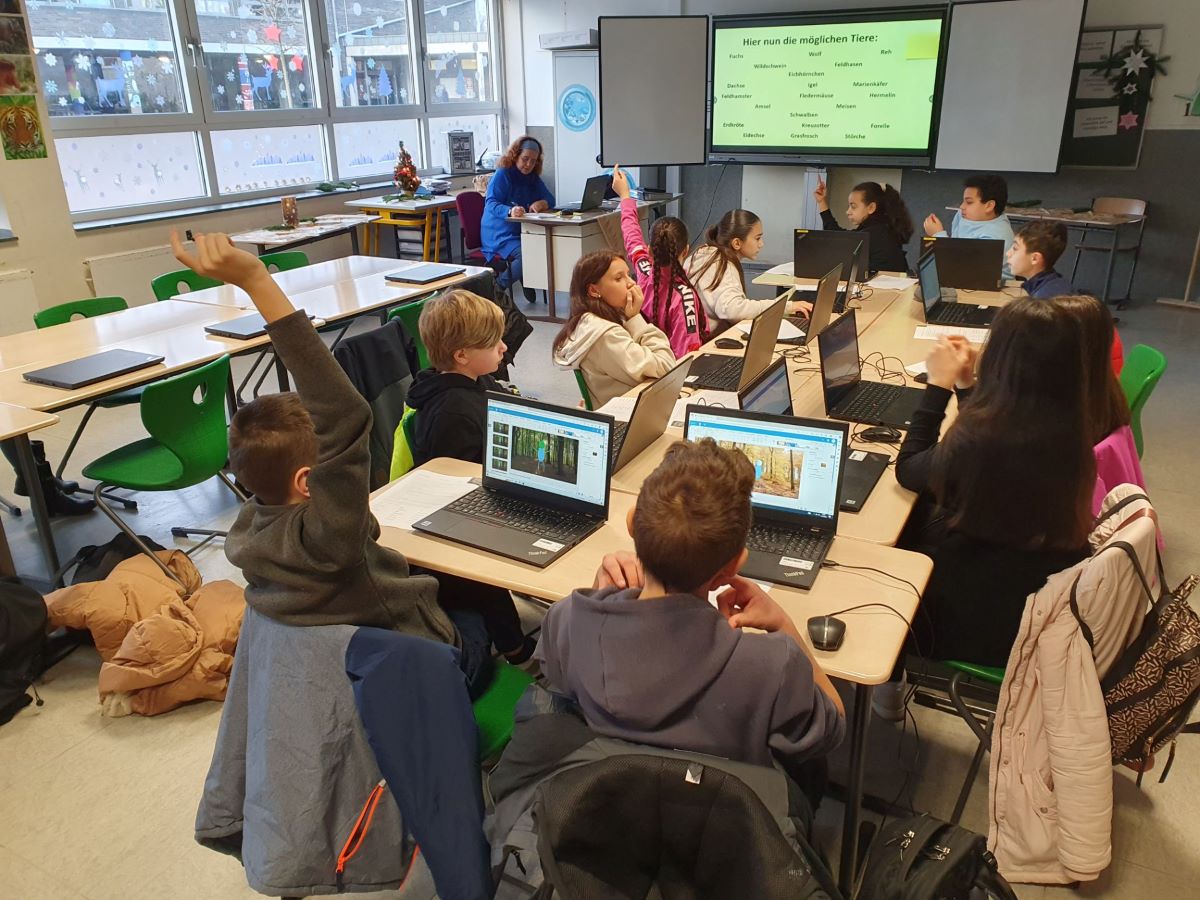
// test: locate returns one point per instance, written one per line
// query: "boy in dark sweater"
(1034, 251)
(307, 542)
(649, 660)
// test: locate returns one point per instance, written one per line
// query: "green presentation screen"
(827, 88)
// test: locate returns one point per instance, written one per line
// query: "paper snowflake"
(166, 67)
(1136, 61)
(108, 29)
(160, 100)
(51, 87)
(82, 61)
(291, 67)
(238, 100)
(152, 79)
(230, 77)
(370, 62)
(50, 58)
(302, 88)
(221, 89)
(251, 36)
(379, 23)
(233, 35)
(139, 62)
(62, 101)
(291, 32)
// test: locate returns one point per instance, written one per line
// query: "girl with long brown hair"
(878, 211)
(606, 337)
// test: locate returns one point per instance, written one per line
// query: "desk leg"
(550, 311)
(861, 718)
(37, 500)
(1108, 270)
(354, 241)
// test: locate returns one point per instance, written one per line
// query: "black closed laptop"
(798, 467)
(731, 373)
(816, 252)
(651, 413)
(425, 273)
(863, 470)
(941, 305)
(847, 395)
(969, 264)
(89, 369)
(545, 482)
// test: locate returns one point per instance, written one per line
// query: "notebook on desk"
(89, 369)
(425, 273)
(545, 482)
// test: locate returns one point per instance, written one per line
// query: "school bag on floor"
(22, 645)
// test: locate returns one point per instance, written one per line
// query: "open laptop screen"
(931, 289)
(770, 392)
(840, 369)
(551, 450)
(797, 463)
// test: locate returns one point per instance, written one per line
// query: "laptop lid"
(827, 291)
(89, 369)
(651, 413)
(816, 252)
(593, 192)
(760, 346)
(971, 264)
(840, 369)
(797, 462)
(548, 454)
(927, 276)
(770, 392)
(424, 273)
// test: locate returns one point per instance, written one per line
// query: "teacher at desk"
(515, 189)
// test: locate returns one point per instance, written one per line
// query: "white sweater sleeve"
(727, 300)
(636, 352)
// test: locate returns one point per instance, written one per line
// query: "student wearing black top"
(1008, 490)
(879, 211)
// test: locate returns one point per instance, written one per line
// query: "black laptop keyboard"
(725, 377)
(786, 542)
(869, 400)
(953, 313)
(489, 506)
(620, 429)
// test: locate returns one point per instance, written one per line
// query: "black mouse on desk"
(881, 433)
(826, 632)
(729, 344)
(921, 378)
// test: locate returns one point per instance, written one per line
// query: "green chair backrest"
(1144, 366)
(410, 317)
(284, 260)
(186, 414)
(495, 708)
(167, 286)
(85, 309)
(583, 390)
(402, 458)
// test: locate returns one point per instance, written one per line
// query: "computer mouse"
(921, 378)
(881, 433)
(826, 632)
(729, 344)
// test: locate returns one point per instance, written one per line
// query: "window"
(163, 104)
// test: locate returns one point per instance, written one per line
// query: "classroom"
(675, 448)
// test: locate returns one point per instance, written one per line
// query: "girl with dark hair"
(671, 304)
(606, 337)
(514, 189)
(878, 211)
(715, 269)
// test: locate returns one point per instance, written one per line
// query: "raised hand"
(216, 257)
(820, 195)
(620, 183)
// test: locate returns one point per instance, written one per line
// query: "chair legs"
(982, 732)
(99, 496)
(9, 507)
(208, 533)
(62, 463)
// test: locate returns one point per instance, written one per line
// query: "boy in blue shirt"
(1035, 250)
(980, 215)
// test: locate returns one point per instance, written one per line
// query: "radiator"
(18, 302)
(129, 274)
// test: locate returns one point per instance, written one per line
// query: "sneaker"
(887, 701)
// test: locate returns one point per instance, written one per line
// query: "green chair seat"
(494, 708)
(144, 465)
(990, 674)
(123, 398)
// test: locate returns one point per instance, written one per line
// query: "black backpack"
(22, 645)
(923, 858)
(96, 561)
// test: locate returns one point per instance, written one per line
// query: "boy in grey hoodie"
(649, 660)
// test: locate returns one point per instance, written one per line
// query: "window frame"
(207, 123)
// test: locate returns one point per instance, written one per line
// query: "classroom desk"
(874, 636)
(425, 213)
(870, 306)
(297, 281)
(15, 425)
(550, 237)
(328, 226)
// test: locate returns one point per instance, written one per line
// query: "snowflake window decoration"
(108, 30)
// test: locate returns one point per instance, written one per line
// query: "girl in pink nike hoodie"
(671, 303)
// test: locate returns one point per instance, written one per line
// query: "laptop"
(847, 395)
(424, 273)
(651, 413)
(593, 195)
(969, 264)
(798, 479)
(816, 252)
(732, 373)
(242, 328)
(823, 307)
(770, 392)
(940, 304)
(545, 482)
(862, 472)
(89, 369)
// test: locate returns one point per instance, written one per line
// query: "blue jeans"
(512, 273)
(475, 657)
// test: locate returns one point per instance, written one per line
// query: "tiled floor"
(98, 808)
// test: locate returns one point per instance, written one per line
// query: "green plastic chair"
(89, 308)
(494, 708)
(583, 389)
(992, 676)
(167, 286)
(1144, 366)
(410, 317)
(285, 260)
(402, 442)
(188, 444)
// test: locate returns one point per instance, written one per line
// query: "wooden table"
(424, 213)
(15, 425)
(328, 226)
(298, 281)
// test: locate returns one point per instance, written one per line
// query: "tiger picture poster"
(21, 127)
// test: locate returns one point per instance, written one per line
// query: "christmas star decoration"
(1135, 62)
(1130, 89)
(272, 33)
(1128, 121)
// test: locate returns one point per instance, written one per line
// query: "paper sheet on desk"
(933, 332)
(917, 368)
(720, 399)
(787, 330)
(417, 495)
(891, 282)
(620, 408)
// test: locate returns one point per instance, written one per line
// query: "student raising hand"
(216, 257)
(820, 195)
(620, 183)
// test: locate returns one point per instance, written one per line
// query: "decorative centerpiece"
(405, 176)
(291, 212)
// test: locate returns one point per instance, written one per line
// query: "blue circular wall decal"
(576, 108)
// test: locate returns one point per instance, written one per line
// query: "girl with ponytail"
(878, 211)
(671, 304)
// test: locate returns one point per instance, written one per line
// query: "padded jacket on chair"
(1050, 778)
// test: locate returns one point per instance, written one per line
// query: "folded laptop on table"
(969, 264)
(651, 413)
(823, 307)
(940, 304)
(545, 482)
(425, 273)
(89, 369)
(798, 479)
(242, 328)
(720, 372)
(593, 195)
(847, 395)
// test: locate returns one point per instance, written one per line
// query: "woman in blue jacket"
(515, 189)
